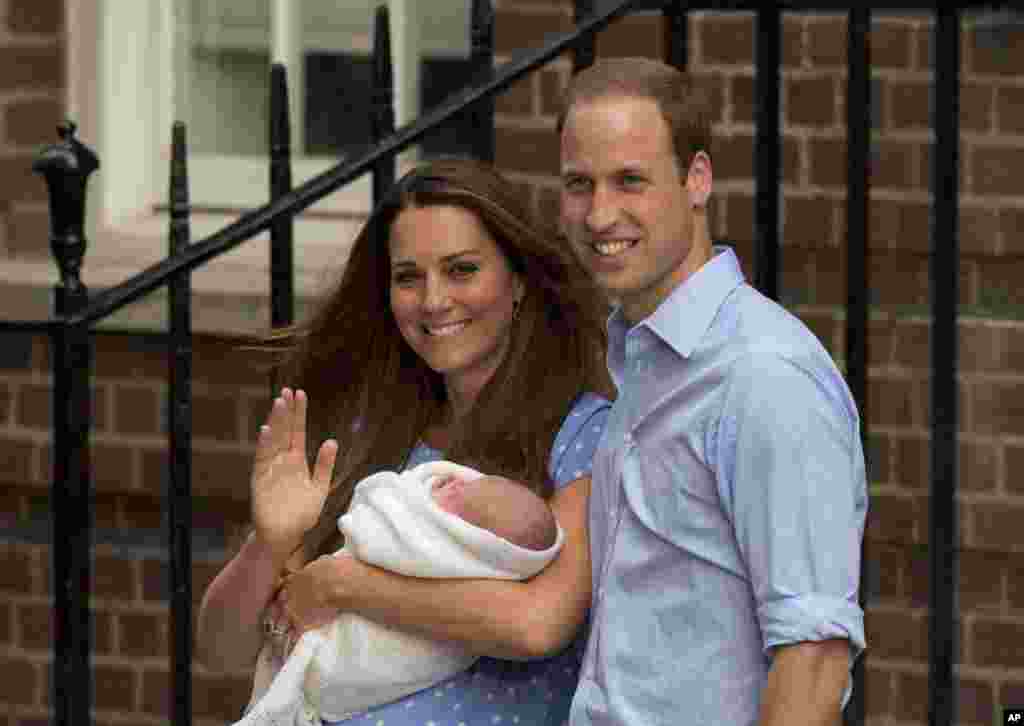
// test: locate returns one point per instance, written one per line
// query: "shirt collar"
(682, 318)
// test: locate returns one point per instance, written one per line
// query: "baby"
(436, 520)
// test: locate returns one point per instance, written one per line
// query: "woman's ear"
(699, 180)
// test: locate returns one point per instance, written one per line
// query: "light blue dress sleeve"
(572, 455)
(792, 482)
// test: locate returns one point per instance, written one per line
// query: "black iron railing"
(66, 167)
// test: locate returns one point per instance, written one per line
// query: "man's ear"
(699, 180)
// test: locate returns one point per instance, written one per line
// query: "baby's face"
(450, 493)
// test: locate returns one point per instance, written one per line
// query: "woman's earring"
(515, 308)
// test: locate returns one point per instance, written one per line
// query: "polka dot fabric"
(498, 692)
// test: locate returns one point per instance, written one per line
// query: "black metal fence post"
(768, 156)
(586, 48)
(482, 56)
(858, 131)
(179, 496)
(677, 46)
(66, 167)
(382, 114)
(945, 293)
(282, 274)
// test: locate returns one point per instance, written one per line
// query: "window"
(134, 68)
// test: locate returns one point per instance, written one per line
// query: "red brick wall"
(129, 444)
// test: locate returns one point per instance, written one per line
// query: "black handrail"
(312, 191)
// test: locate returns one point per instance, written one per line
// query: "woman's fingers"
(325, 459)
(299, 421)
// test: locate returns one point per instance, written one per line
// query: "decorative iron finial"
(382, 94)
(66, 166)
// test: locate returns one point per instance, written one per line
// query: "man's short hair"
(683, 102)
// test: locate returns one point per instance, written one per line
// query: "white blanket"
(352, 663)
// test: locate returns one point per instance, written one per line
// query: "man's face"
(626, 208)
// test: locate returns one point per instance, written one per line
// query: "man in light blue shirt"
(728, 496)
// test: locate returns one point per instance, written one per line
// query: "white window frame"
(121, 95)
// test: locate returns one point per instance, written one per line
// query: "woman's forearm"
(499, 618)
(230, 621)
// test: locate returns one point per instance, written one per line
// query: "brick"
(975, 701)
(726, 39)
(897, 634)
(980, 585)
(890, 44)
(139, 512)
(878, 457)
(39, 16)
(31, 68)
(981, 349)
(1015, 581)
(912, 457)
(220, 697)
(809, 222)
(796, 274)
(909, 104)
(978, 467)
(976, 104)
(894, 165)
(105, 506)
(997, 525)
(35, 626)
(31, 121)
(142, 635)
(744, 99)
(137, 410)
(827, 162)
(519, 98)
(533, 151)
(898, 278)
(827, 42)
(17, 457)
(6, 620)
(103, 624)
(792, 40)
(113, 578)
(1011, 220)
(20, 184)
(1011, 692)
(996, 643)
(517, 29)
(28, 230)
(214, 473)
(114, 687)
(829, 276)
(894, 402)
(894, 519)
(1013, 350)
(979, 229)
(878, 685)
(811, 102)
(1014, 458)
(156, 694)
(113, 467)
(18, 686)
(34, 407)
(1009, 103)
(16, 565)
(633, 35)
(911, 691)
(216, 417)
(997, 407)
(131, 357)
(891, 561)
(991, 54)
(734, 158)
(995, 170)
(824, 327)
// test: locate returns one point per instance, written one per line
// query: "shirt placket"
(615, 508)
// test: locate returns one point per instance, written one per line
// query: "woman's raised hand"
(286, 500)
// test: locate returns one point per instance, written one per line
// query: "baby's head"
(501, 506)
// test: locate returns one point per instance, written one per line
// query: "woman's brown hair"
(369, 390)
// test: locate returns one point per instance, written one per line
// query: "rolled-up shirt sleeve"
(792, 482)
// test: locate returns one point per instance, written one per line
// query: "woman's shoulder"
(577, 439)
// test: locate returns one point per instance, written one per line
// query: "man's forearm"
(805, 685)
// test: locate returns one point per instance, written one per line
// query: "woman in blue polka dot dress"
(460, 330)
